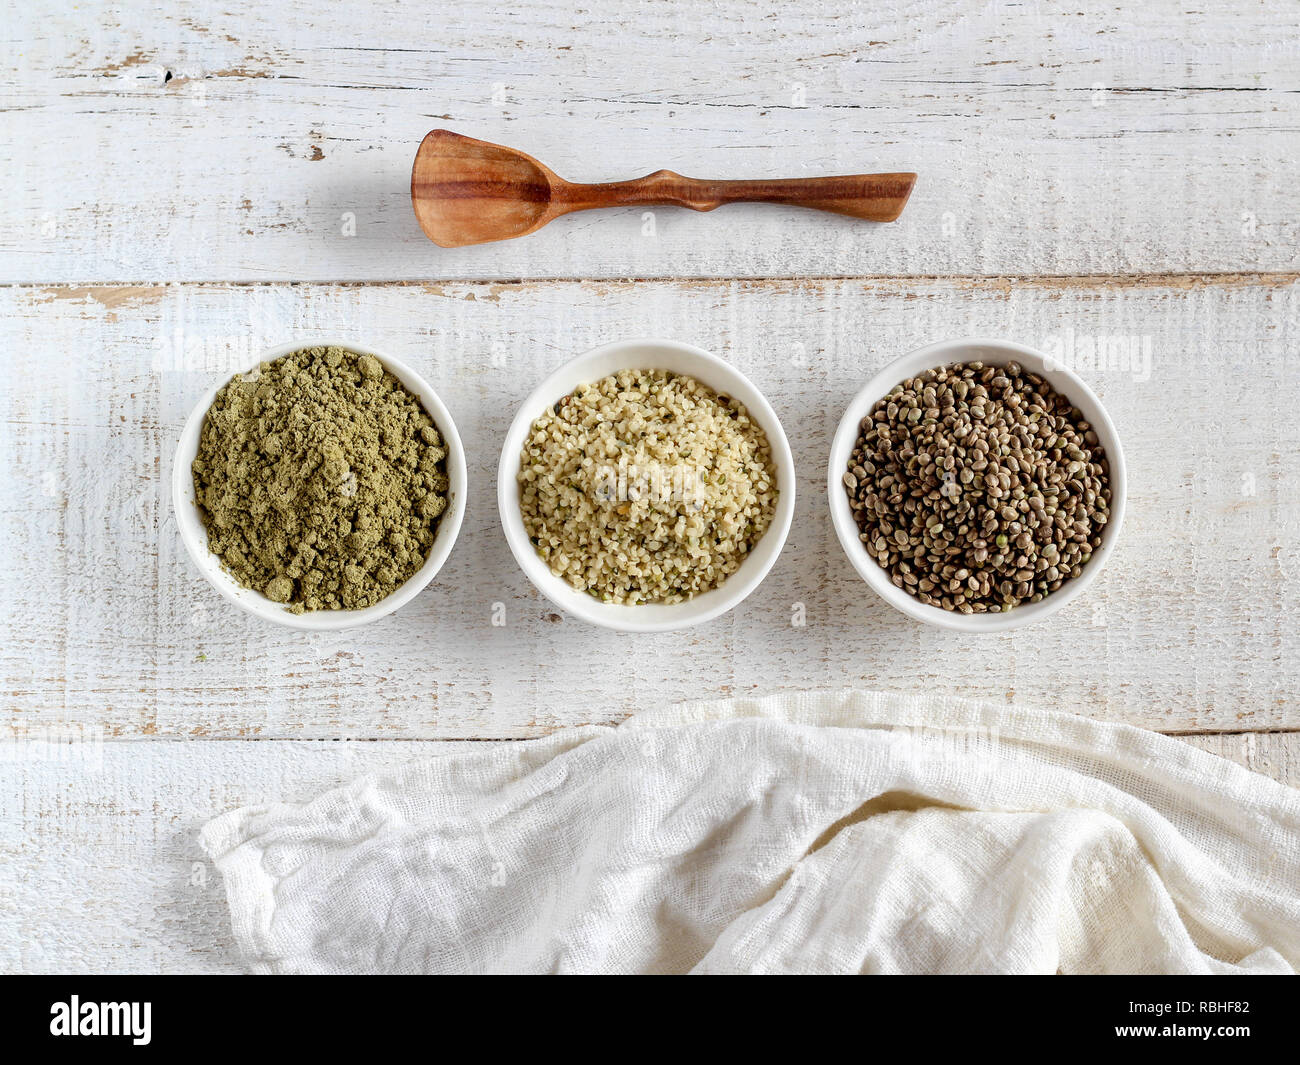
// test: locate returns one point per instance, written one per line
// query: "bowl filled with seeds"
(321, 489)
(646, 486)
(977, 485)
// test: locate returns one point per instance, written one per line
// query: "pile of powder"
(320, 479)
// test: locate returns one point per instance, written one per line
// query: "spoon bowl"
(467, 191)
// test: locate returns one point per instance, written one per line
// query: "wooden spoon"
(468, 191)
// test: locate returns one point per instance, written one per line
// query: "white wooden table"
(187, 184)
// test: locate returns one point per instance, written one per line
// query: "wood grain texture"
(232, 141)
(1190, 628)
(100, 866)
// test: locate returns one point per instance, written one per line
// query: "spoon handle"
(877, 197)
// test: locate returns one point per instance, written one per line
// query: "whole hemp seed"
(978, 488)
(320, 480)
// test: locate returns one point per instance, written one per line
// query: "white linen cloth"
(825, 833)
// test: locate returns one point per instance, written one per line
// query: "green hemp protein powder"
(320, 479)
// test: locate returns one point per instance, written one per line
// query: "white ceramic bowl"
(646, 355)
(195, 537)
(993, 352)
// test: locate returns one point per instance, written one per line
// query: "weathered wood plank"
(243, 142)
(1188, 630)
(1274, 754)
(100, 867)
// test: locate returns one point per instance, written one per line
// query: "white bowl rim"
(194, 535)
(944, 353)
(645, 617)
